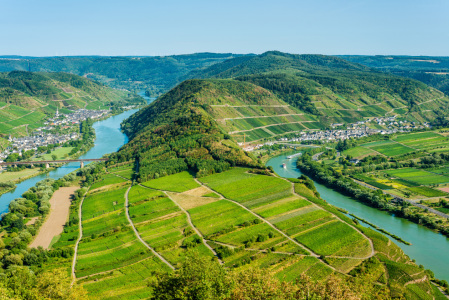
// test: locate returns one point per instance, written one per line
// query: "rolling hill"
(253, 98)
(432, 70)
(156, 74)
(27, 99)
(192, 175)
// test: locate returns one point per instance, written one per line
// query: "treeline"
(199, 277)
(34, 203)
(375, 198)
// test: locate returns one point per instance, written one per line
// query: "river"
(108, 139)
(428, 248)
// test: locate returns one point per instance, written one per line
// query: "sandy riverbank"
(59, 213)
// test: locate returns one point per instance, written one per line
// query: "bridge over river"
(48, 162)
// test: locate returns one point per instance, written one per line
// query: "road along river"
(428, 248)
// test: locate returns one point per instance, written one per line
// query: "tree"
(54, 157)
(198, 278)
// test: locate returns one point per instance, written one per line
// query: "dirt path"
(197, 231)
(80, 236)
(138, 235)
(59, 213)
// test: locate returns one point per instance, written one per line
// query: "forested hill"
(157, 74)
(332, 87)
(177, 132)
(431, 70)
(27, 99)
(257, 97)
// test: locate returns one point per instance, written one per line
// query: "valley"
(182, 185)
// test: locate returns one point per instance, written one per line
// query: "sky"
(167, 27)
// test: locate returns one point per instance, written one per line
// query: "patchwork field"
(418, 176)
(273, 199)
(262, 221)
(180, 182)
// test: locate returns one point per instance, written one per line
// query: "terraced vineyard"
(241, 219)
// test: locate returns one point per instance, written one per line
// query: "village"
(45, 136)
(352, 131)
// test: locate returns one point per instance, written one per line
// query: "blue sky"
(147, 27)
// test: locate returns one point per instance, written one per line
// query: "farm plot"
(403, 138)
(258, 236)
(180, 182)
(219, 217)
(108, 243)
(335, 238)
(104, 201)
(426, 191)
(249, 189)
(163, 225)
(392, 149)
(418, 176)
(107, 179)
(359, 152)
(129, 282)
(281, 207)
(110, 259)
(293, 269)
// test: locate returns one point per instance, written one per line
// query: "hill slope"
(26, 99)
(156, 74)
(331, 87)
(431, 70)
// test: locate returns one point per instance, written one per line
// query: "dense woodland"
(433, 71)
(155, 74)
(175, 134)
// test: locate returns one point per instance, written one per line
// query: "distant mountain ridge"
(157, 74)
(432, 70)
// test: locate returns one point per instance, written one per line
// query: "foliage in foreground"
(20, 283)
(201, 278)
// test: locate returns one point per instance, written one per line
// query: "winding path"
(137, 233)
(189, 220)
(80, 236)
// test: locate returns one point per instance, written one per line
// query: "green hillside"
(155, 74)
(334, 89)
(253, 98)
(432, 70)
(27, 99)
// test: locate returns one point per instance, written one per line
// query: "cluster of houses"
(75, 118)
(40, 138)
(354, 130)
(33, 142)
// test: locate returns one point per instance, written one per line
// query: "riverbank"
(109, 138)
(428, 247)
(56, 219)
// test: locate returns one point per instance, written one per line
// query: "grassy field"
(392, 149)
(359, 152)
(61, 153)
(180, 182)
(20, 175)
(418, 176)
